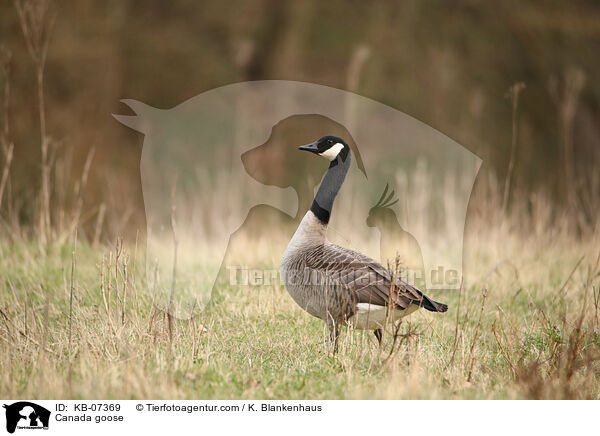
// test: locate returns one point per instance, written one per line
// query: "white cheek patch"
(332, 152)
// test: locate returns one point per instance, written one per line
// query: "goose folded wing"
(364, 278)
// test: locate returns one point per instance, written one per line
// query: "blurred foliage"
(449, 64)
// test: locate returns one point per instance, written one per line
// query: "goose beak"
(313, 148)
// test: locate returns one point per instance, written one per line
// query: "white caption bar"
(158, 417)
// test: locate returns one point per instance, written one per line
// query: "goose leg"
(334, 332)
(379, 335)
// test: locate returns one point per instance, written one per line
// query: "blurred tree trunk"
(279, 50)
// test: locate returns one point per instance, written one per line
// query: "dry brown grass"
(534, 334)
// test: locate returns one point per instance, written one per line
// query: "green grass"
(255, 342)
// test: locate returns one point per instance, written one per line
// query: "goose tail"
(427, 303)
(434, 306)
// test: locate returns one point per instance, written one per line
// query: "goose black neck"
(330, 186)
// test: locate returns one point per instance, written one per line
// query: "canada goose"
(336, 284)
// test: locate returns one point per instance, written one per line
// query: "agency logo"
(26, 415)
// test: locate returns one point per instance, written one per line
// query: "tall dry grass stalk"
(174, 274)
(99, 224)
(78, 199)
(566, 91)
(359, 57)
(471, 357)
(7, 145)
(513, 94)
(37, 21)
(118, 253)
(72, 290)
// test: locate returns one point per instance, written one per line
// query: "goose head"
(330, 147)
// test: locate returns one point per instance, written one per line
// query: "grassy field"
(81, 321)
(525, 326)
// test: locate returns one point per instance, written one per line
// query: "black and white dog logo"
(26, 415)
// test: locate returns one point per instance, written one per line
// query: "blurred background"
(514, 82)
